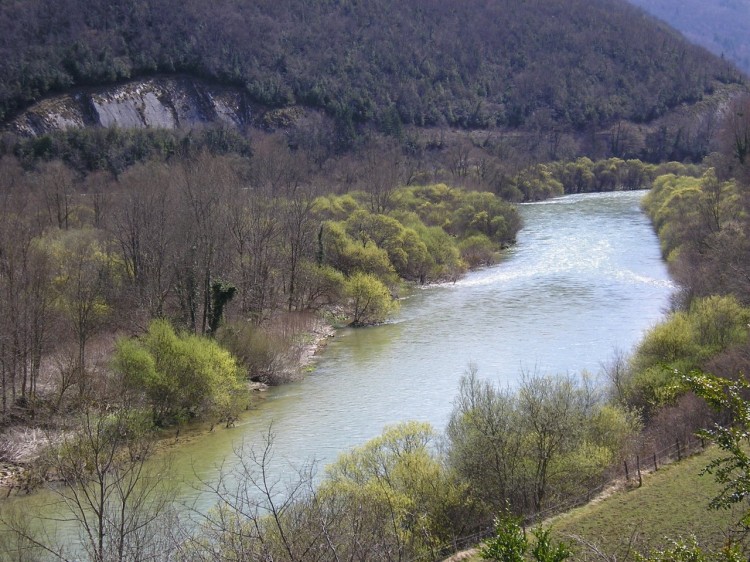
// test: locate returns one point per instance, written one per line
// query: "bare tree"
(486, 436)
(25, 299)
(258, 515)
(255, 231)
(143, 225)
(110, 492)
(204, 185)
(56, 183)
(554, 412)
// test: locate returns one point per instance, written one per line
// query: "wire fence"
(630, 474)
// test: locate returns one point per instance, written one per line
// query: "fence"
(630, 473)
(632, 470)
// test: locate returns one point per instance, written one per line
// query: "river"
(585, 279)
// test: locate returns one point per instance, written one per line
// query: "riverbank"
(609, 268)
(23, 446)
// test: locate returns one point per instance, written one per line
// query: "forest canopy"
(471, 64)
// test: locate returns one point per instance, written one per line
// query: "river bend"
(585, 279)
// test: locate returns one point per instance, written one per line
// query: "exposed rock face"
(170, 103)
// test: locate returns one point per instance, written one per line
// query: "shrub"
(182, 376)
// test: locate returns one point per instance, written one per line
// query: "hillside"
(537, 65)
(672, 504)
(718, 25)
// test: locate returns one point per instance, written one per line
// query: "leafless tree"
(109, 491)
(142, 222)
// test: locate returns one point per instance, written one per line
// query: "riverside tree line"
(158, 244)
(245, 247)
(241, 250)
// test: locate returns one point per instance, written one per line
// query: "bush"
(478, 250)
(685, 341)
(370, 300)
(182, 376)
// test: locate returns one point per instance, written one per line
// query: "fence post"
(679, 453)
(627, 474)
(656, 466)
(638, 464)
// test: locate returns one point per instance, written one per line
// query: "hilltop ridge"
(536, 65)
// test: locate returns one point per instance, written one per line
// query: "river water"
(585, 279)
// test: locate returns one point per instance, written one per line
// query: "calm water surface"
(585, 278)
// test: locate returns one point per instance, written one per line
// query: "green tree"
(732, 470)
(370, 300)
(349, 256)
(510, 544)
(397, 475)
(181, 375)
(485, 437)
(551, 440)
(686, 340)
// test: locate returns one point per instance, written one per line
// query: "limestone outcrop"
(158, 102)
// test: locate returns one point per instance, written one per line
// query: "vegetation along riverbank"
(190, 192)
(181, 351)
(147, 262)
(688, 375)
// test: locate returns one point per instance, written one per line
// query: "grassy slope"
(673, 502)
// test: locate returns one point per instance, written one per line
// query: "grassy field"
(673, 502)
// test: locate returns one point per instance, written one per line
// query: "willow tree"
(180, 376)
(370, 300)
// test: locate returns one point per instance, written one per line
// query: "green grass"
(672, 503)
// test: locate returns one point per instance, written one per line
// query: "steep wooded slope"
(719, 25)
(476, 63)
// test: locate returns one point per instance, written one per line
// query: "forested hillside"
(719, 25)
(149, 274)
(535, 64)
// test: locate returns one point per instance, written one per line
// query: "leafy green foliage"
(510, 544)
(549, 442)
(584, 176)
(370, 300)
(731, 471)
(545, 551)
(347, 255)
(688, 210)
(421, 239)
(182, 376)
(397, 475)
(683, 342)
